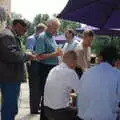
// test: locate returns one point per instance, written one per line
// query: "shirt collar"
(14, 32)
(70, 42)
(48, 34)
(106, 64)
(64, 65)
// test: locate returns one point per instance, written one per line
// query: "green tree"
(15, 16)
(65, 24)
(40, 18)
(115, 41)
(99, 43)
(102, 41)
(30, 30)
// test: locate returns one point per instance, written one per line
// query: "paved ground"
(24, 111)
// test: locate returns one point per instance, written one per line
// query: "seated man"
(61, 80)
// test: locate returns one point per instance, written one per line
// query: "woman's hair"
(89, 33)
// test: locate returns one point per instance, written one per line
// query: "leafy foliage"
(65, 24)
(102, 41)
(15, 16)
(40, 18)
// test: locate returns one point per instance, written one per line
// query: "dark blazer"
(11, 58)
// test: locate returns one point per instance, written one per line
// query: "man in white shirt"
(84, 51)
(72, 44)
(100, 89)
(61, 80)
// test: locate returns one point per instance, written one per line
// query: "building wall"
(6, 4)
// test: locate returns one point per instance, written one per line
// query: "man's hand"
(49, 55)
(33, 57)
(41, 57)
(59, 52)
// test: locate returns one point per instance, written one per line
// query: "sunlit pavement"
(24, 111)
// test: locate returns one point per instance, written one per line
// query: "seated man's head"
(70, 58)
(88, 37)
(69, 34)
(53, 26)
(109, 54)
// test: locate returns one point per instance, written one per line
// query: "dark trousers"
(79, 118)
(34, 86)
(60, 114)
(10, 94)
(79, 72)
(43, 72)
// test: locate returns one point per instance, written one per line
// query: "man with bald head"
(46, 48)
(61, 80)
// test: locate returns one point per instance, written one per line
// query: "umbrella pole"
(111, 39)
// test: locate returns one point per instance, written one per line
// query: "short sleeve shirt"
(45, 44)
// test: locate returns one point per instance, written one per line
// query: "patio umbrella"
(111, 32)
(97, 13)
(60, 39)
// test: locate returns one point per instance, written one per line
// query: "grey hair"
(53, 21)
(40, 26)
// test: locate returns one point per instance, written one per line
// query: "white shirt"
(60, 81)
(71, 45)
(99, 90)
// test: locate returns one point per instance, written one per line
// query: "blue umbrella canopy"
(60, 39)
(97, 13)
(111, 32)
